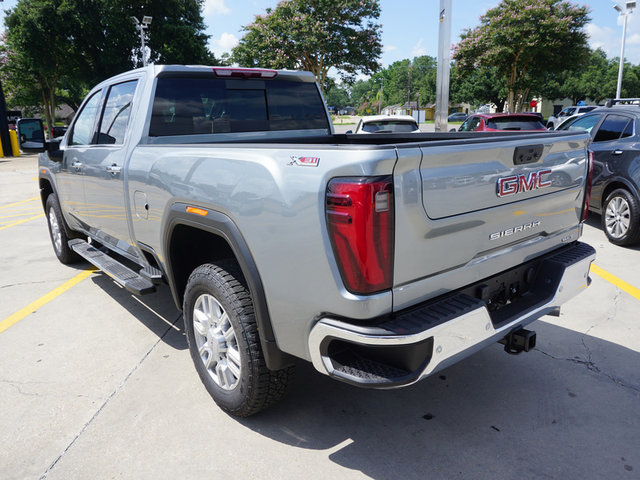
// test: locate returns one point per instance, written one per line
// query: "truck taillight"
(587, 189)
(360, 219)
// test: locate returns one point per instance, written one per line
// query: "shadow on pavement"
(570, 409)
(155, 311)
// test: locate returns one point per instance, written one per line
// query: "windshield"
(586, 122)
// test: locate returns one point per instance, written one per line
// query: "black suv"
(615, 195)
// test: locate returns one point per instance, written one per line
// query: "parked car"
(487, 122)
(457, 117)
(615, 133)
(387, 124)
(554, 121)
(59, 131)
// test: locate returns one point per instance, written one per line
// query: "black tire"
(621, 218)
(226, 351)
(59, 233)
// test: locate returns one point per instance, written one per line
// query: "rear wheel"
(224, 344)
(621, 218)
(59, 232)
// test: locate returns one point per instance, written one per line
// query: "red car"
(493, 122)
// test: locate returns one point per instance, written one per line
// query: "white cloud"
(608, 39)
(418, 49)
(223, 44)
(215, 7)
(389, 48)
(634, 39)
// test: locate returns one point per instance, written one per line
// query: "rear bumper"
(404, 347)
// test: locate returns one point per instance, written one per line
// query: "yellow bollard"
(1, 149)
(15, 147)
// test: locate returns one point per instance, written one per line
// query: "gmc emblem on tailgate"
(522, 183)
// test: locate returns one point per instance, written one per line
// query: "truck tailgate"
(461, 204)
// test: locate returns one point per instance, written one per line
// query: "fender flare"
(221, 225)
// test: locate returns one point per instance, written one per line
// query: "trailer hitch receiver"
(519, 341)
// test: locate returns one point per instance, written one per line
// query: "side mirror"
(31, 135)
(349, 131)
(453, 130)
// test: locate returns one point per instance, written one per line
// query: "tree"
(62, 48)
(36, 37)
(479, 87)
(336, 95)
(314, 35)
(524, 40)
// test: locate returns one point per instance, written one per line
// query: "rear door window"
(116, 113)
(204, 105)
(612, 128)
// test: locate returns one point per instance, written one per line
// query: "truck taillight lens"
(587, 189)
(360, 220)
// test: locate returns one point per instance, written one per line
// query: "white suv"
(567, 112)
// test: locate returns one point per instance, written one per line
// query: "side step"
(116, 270)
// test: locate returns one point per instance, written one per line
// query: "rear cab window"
(515, 123)
(390, 126)
(193, 105)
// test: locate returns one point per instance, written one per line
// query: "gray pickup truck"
(381, 258)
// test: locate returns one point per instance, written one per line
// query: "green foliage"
(480, 86)
(314, 35)
(596, 80)
(335, 95)
(55, 50)
(402, 81)
(525, 40)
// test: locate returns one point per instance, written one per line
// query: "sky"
(410, 27)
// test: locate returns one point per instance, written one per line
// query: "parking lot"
(96, 383)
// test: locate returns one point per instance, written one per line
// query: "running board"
(116, 270)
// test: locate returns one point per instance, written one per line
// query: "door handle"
(76, 165)
(114, 169)
(617, 152)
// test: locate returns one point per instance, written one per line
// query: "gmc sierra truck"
(380, 259)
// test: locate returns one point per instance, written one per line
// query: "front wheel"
(58, 231)
(224, 344)
(621, 218)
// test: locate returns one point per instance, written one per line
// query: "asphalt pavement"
(96, 383)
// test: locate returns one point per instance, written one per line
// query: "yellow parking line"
(621, 284)
(19, 203)
(32, 307)
(21, 221)
(23, 214)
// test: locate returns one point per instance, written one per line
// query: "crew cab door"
(70, 177)
(103, 169)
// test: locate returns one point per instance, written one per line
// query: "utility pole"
(442, 82)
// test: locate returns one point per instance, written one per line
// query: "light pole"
(624, 12)
(442, 78)
(146, 21)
